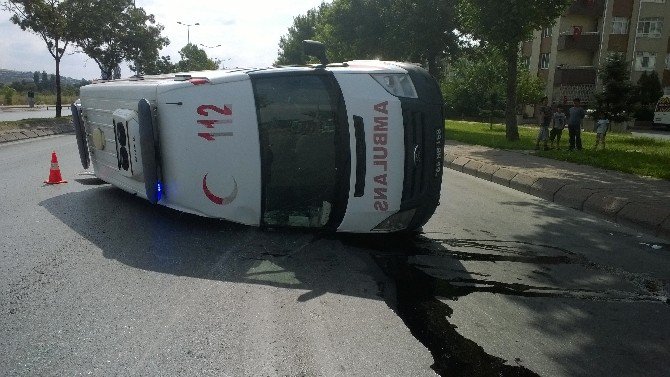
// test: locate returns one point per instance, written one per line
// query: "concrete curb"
(652, 218)
(16, 135)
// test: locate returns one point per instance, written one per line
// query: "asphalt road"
(19, 114)
(95, 281)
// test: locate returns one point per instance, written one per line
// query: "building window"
(619, 25)
(667, 61)
(544, 60)
(525, 62)
(546, 32)
(645, 61)
(654, 1)
(650, 27)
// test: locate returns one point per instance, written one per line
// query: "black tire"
(80, 133)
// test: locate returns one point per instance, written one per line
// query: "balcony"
(586, 41)
(575, 76)
(591, 8)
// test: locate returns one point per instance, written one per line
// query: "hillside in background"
(8, 76)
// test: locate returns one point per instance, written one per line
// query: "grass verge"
(625, 153)
(34, 123)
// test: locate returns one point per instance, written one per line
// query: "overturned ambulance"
(351, 147)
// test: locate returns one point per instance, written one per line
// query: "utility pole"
(188, 30)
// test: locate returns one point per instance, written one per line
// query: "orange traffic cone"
(54, 173)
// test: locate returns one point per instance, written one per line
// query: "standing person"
(575, 115)
(558, 124)
(545, 119)
(601, 129)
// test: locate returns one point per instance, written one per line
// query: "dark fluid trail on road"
(419, 291)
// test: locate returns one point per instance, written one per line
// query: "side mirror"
(316, 49)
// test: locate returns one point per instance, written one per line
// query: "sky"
(248, 32)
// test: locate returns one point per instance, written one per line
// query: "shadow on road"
(429, 275)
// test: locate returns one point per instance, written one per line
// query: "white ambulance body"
(352, 147)
(662, 112)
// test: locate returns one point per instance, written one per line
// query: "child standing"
(601, 129)
(558, 124)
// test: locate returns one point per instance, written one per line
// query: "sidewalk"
(636, 202)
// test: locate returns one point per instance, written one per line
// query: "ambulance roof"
(356, 66)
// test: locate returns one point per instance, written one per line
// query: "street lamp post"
(188, 30)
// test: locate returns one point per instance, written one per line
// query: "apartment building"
(567, 55)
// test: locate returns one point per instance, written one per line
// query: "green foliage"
(464, 93)
(195, 59)
(7, 93)
(290, 45)
(616, 96)
(530, 88)
(462, 87)
(192, 59)
(648, 89)
(419, 31)
(159, 66)
(111, 31)
(422, 31)
(641, 156)
(504, 24)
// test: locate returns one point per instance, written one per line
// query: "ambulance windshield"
(298, 130)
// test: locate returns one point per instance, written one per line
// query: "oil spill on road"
(423, 290)
(427, 317)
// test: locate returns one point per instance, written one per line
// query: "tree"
(422, 31)
(410, 30)
(36, 79)
(648, 89)
(505, 24)
(195, 59)
(111, 31)
(616, 95)
(7, 94)
(50, 20)
(465, 95)
(158, 66)
(352, 29)
(44, 82)
(290, 45)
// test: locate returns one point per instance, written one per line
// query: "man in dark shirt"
(575, 115)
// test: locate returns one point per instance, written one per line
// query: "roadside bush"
(7, 94)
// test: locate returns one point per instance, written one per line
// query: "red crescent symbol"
(216, 199)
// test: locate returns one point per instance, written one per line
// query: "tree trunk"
(59, 105)
(433, 67)
(511, 129)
